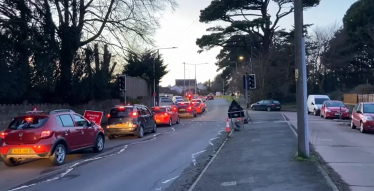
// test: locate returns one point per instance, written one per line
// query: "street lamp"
(195, 74)
(154, 72)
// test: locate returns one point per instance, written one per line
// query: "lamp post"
(154, 72)
(195, 74)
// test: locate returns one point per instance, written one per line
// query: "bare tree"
(321, 37)
(115, 22)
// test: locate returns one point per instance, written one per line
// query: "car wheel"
(11, 161)
(140, 133)
(99, 145)
(59, 155)
(352, 125)
(253, 108)
(178, 120)
(111, 137)
(268, 109)
(362, 130)
(154, 130)
(170, 122)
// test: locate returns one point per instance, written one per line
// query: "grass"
(229, 98)
(311, 158)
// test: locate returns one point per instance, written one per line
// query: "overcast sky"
(181, 28)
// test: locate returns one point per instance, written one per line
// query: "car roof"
(44, 113)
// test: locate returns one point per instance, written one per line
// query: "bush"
(363, 89)
(336, 95)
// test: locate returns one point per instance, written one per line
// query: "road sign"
(94, 116)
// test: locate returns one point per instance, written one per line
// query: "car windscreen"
(120, 112)
(319, 101)
(159, 110)
(196, 100)
(368, 108)
(335, 104)
(28, 122)
(165, 99)
(276, 102)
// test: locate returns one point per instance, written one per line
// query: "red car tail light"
(2, 135)
(134, 114)
(108, 116)
(166, 114)
(121, 108)
(45, 134)
(189, 108)
(175, 109)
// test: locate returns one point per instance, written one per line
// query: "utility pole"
(195, 74)
(195, 81)
(184, 77)
(302, 118)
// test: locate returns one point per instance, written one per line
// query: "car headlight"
(347, 110)
(368, 118)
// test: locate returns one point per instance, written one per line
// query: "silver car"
(165, 101)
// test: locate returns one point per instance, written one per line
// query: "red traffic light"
(189, 95)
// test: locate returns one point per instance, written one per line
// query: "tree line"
(65, 51)
(339, 57)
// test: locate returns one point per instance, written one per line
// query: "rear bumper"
(186, 114)
(35, 151)
(118, 131)
(345, 115)
(162, 121)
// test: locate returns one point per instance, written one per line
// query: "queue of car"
(56, 133)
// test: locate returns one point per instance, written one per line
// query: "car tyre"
(352, 125)
(111, 137)
(362, 130)
(178, 120)
(253, 108)
(140, 133)
(154, 130)
(268, 109)
(11, 162)
(170, 122)
(59, 155)
(99, 145)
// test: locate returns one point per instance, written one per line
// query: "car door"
(69, 132)
(265, 104)
(151, 119)
(87, 131)
(142, 117)
(355, 115)
(258, 104)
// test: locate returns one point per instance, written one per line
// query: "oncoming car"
(49, 135)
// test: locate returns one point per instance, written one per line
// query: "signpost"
(94, 116)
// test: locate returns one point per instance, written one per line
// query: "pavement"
(261, 158)
(128, 163)
(347, 154)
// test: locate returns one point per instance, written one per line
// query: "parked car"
(130, 119)
(268, 105)
(49, 135)
(165, 101)
(314, 103)
(363, 117)
(333, 109)
(186, 109)
(165, 115)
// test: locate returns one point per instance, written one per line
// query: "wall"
(8, 112)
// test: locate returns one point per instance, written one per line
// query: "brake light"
(108, 116)
(28, 119)
(121, 108)
(134, 114)
(175, 109)
(2, 135)
(189, 108)
(45, 134)
(182, 103)
(166, 114)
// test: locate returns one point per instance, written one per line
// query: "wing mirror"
(92, 124)
(358, 112)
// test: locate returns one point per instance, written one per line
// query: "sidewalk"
(261, 158)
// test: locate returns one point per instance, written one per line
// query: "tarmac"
(262, 157)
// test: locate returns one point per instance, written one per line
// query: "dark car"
(210, 97)
(49, 135)
(267, 105)
(186, 109)
(130, 119)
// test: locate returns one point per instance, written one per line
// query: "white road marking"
(254, 140)
(193, 156)
(232, 183)
(211, 143)
(214, 138)
(158, 188)
(166, 181)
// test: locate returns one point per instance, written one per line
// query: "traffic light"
(121, 82)
(252, 81)
(189, 96)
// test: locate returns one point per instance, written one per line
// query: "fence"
(356, 98)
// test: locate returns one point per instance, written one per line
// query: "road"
(347, 151)
(151, 163)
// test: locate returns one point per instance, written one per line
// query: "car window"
(120, 112)
(266, 102)
(146, 110)
(276, 102)
(159, 110)
(66, 121)
(368, 108)
(80, 121)
(166, 99)
(334, 104)
(27, 122)
(261, 102)
(319, 101)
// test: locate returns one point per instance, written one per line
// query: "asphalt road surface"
(150, 163)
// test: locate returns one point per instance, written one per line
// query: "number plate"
(20, 151)
(182, 110)
(337, 113)
(119, 126)
(158, 120)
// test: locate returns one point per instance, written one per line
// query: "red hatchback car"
(49, 135)
(333, 109)
(363, 117)
(166, 115)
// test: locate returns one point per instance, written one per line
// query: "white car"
(177, 99)
(165, 101)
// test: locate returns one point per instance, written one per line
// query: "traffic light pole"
(246, 91)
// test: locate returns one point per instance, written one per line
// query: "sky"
(181, 27)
